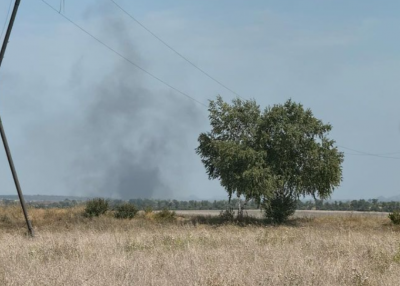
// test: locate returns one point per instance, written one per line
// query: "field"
(298, 214)
(72, 250)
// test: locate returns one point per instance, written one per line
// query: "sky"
(82, 121)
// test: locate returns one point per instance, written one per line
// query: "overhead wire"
(214, 79)
(174, 50)
(122, 56)
(392, 153)
(366, 155)
(360, 153)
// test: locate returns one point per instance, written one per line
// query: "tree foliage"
(125, 210)
(280, 207)
(395, 217)
(229, 152)
(283, 151)
(96, 207)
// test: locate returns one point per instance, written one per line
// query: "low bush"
(395, 217)
(280, 208)
(5, 219)
(148, 210)
(227, 215)
(165, 215)
(126, 210)
(96, 207)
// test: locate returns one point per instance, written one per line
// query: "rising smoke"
(107, 132)
(127, 134)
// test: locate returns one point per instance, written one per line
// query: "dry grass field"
(298, 214)
(72, 250)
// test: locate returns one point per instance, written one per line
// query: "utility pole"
(3, 134)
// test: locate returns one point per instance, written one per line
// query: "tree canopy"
(258, 154)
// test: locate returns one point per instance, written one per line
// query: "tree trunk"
(240, 211)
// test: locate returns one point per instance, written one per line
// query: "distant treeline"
(354, 205)
(43, 205)
(145, 203)
(187, 205)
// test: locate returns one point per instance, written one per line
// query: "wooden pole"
(2, 132)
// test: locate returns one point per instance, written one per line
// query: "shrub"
(5, 219)
(280, 208)
(96, 207)
(395, 217)
(227, 215)
(148, 210)
(126, 210)
(165, 215)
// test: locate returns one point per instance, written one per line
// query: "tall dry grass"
(72, 250)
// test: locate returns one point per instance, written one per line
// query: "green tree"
(96, 207)
(125, 210)
(275, 156)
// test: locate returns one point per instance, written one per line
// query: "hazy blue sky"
(81, 121)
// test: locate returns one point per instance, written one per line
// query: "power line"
(366, 155)
(208, 75)
(5, 21)
(122, 56)
(175, 51)
(392, 153)
(217, 81)
(361, 153)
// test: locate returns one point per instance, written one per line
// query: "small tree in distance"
(125, 211)
(273, 157)
(96, 207)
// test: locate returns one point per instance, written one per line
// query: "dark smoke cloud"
(106, 130)
(127, 135)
